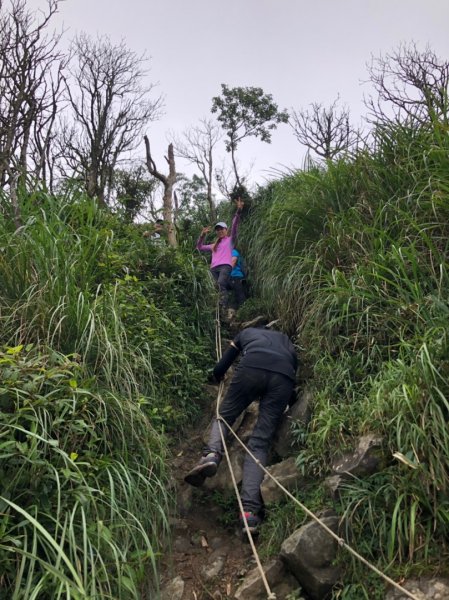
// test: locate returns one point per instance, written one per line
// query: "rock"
(280, 581)
(424, 588)
(222, 480)
(287, 473)
(182, 544)
(197, 537)
(213, 568)
(216, 542)
(364, 460)
(257, 321)
(333, 483)
(284, 442)
(243, 426)
(248, 421)
(309, 553)
(184, 499)
(174, 590)
(230, 314)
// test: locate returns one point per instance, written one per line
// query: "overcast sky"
(300, 51)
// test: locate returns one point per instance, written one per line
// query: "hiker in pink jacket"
(221, 249)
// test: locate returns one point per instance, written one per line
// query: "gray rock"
(213, 568)
(284, 443)
(222, 481)
(216, 542)
(184, 499)
(248, 421)
(174, 590)
(197, 537)
(286, 472)
(366, 459)
(309, 553)
(243, 426)
(280, 581)
(333, 483)
(424, 588)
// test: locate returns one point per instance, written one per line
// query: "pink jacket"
(223, 253)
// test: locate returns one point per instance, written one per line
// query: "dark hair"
(160, 221)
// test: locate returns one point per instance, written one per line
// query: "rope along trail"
(341, 542)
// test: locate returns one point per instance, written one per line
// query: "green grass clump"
(84, 495)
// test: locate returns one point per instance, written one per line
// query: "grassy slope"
(104, 343)
(354, 259)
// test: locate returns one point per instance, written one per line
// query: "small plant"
(227, 516)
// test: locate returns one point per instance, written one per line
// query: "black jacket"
(261, 349)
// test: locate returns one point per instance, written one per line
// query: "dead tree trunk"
(14, 199)
(168, 182)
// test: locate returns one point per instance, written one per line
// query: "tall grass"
(354, 258)
(84, 499)
(82, 282)
(102, 348)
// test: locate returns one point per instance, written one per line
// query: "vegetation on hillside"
(353, 255)
(105, 339)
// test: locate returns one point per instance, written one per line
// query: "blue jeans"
(274, 391)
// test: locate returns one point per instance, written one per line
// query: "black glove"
(293, 397)
(212, 379)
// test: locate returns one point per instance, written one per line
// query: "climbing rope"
(341, 542)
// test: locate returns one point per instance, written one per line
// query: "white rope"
(341, 542)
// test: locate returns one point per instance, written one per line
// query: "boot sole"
(199, 473)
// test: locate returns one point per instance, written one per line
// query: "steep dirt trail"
(209, 553)
(210, 556)
(208, 550)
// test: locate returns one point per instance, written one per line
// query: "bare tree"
(110, 107)
(224, 175)
(197, 146)
(30, 86)
(413, 84)
(225, 178)
(168, 181)
(325, 131)
(44, 134)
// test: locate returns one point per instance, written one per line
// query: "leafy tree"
(325, 131)
(110, 107)
(246, 112)
(134, 191)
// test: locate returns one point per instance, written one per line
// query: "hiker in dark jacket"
(266, 371)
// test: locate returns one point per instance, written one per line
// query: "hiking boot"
(253, 521)
(206, 467)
